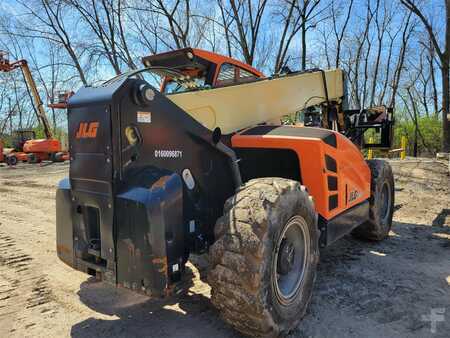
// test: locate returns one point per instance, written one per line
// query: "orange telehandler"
(201, 166)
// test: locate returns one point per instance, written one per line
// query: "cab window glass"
(245, 76)
(226, 75)
(172, 86)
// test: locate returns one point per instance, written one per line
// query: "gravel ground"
(363, 289)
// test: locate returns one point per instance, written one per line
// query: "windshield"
(176, 81)
(174, 86)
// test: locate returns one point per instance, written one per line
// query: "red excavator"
(34, 150)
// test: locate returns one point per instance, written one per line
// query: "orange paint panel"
(42, 146)
(219, 59)
(353, 174)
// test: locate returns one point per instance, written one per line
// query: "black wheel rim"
(291, 260)
(385, 202)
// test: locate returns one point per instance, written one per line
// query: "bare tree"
(339, 32)
(388, 64)
(360, 40)
(146, 28)
(178, 26)
(51, 26)
(368, 42)
(408, 29)
(291, 27)
(311, 15)
(227, 21)
(443, 54)
(428, 45)
(246, 18)
(382, 26)
(105, 20)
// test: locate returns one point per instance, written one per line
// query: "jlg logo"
(87, 130)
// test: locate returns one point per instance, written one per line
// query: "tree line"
(394, 52)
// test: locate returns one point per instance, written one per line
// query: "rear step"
(94, 261)
(95, 267)
(95, 247)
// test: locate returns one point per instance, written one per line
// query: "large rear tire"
(381, 203)
(263, 263)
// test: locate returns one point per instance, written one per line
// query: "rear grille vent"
(332, 202)
(330, 163)
(332, 182)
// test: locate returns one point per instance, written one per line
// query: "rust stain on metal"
(138, 252)
(62, 249)
(160, 183)
(161, 261)
(130, 246)
(169, 290)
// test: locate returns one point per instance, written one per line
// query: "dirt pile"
(423, 191)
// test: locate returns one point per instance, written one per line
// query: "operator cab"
(60, 99)
(20, 137)
(203, 68)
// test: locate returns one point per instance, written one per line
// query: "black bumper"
(140, 242)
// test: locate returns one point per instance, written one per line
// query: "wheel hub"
(286, 257)
(291, 259)
(385, 202)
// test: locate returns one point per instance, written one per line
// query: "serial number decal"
(168, 154)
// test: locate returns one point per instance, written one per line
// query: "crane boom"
(42, 116)
(7, 66)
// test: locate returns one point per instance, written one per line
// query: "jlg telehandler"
(201, 166)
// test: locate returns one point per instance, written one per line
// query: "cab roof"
(193, 58)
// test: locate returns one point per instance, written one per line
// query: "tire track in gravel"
(22, 287)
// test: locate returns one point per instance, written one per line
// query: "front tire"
(11, 160)
(263, 263)
(32, 158)
(52, 157)
(59, 157)
(381, 203)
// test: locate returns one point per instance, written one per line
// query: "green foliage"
(288, 119)
(429, 139)
(430, 128)
(7, 141)
(59, 133)
(39, 132)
